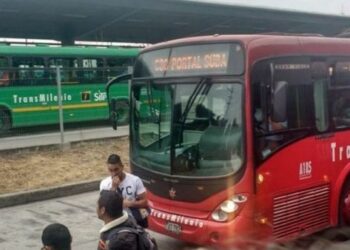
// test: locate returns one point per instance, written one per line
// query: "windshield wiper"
(156, 118)
(192, 98)
(201, 87)
(151, 102)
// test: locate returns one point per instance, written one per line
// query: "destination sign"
(289, 66)
(293, 70)
(208, 59)
(192, 62)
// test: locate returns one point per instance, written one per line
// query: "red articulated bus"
(243, 136)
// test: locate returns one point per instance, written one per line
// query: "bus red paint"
(243, 137)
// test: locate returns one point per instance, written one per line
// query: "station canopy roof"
(150, 21)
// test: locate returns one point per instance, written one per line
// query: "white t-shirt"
(131, 186)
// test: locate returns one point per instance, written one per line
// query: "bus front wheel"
(344, 206)
(5, 122)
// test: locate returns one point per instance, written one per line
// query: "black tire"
(5, 122)
(122, 113)
(344, 205)
(342, 232)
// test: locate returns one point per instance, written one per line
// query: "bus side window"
(92, 70)
(278, 118)
(341, 108)
(340, 95)
(39, 72)
(68, 70)
(282, 104)
(320, 77)
(23, 74)
(117, 66)
(29, 71)
(4, 72)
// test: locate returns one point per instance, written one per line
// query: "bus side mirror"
(114, 104)
(279, 102)
(119, 112)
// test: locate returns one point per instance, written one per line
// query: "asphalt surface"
(21, 226)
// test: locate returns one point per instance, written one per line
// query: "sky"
(326, 7)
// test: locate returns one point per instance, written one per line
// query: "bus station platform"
(54, 138)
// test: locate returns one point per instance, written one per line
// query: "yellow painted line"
(70, 106)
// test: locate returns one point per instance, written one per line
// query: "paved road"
(21, 226)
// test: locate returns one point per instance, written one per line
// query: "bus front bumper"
(202, 232)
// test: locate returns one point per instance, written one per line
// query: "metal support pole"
(130, 70)
(60, 106)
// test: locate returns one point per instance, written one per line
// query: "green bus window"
(22, 71)
(4, 72)
(92, 70)
(39, 72)
(118, 66)
(69, 70)
(29, 71)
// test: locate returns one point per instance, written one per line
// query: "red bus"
(241, 137)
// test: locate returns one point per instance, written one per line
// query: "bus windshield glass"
(191, 128)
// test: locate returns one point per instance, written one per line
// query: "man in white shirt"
(129, 186)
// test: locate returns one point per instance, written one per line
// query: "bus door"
(290, 188)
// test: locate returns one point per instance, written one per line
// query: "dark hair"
(57, 235)
(112, 201)
(114, 159)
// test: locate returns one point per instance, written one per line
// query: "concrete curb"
(8, 200)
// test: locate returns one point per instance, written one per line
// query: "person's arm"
(277, 125)
(140, 202)
(141, 198)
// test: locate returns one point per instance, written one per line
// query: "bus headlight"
(227, 209)
(228, 206)
(219, 215)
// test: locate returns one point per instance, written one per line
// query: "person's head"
(109, 205)
(115, 165)
(56, 236)
(203, 112)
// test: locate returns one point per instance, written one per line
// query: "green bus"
(28, 85)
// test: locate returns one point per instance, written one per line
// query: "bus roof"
(277, 44)
(6, 50)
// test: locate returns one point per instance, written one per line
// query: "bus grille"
(301, 211)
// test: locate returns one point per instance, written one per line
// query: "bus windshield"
(191, 128)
